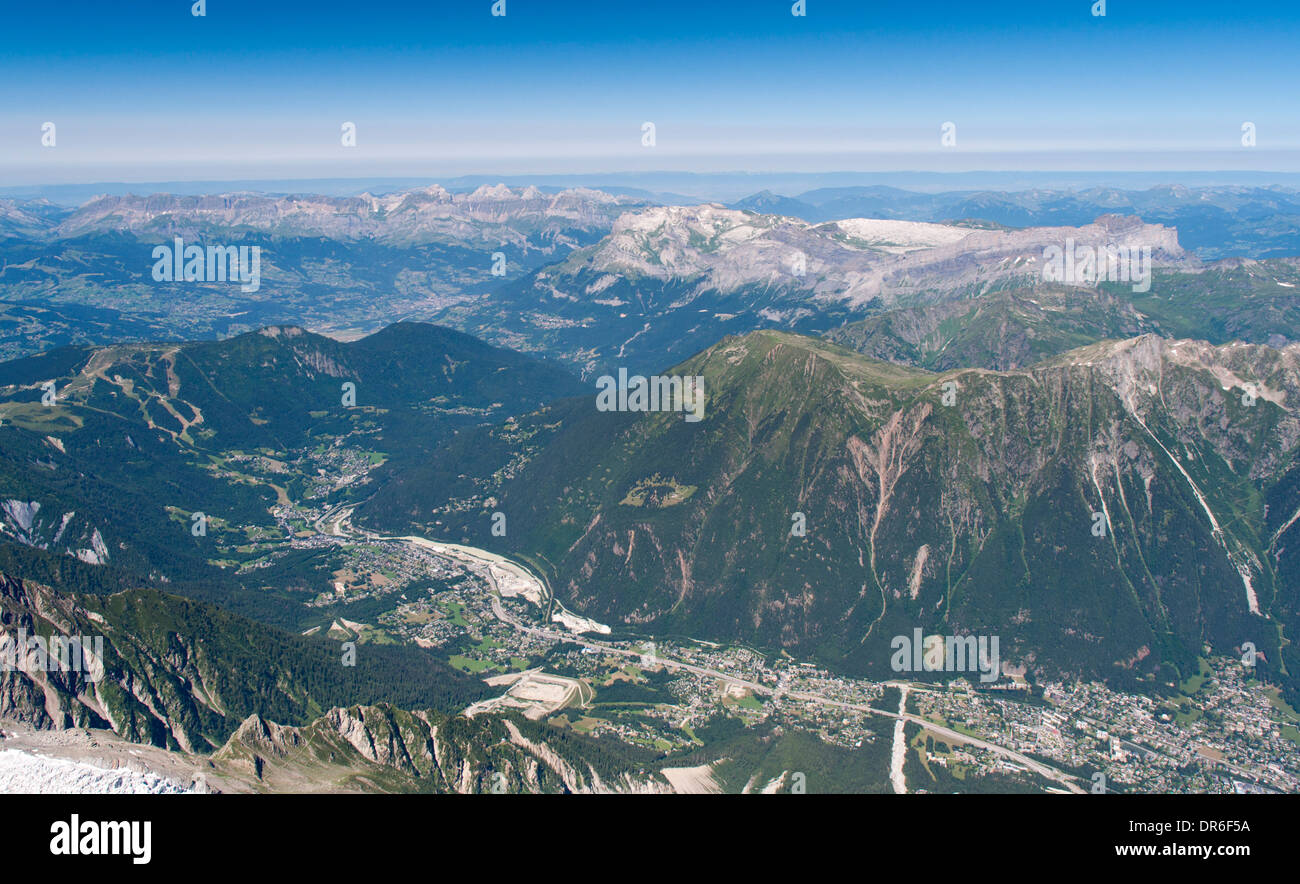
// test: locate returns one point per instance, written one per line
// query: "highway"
(472, 556)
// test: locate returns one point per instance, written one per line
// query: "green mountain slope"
(139, 438)
(975, 516)
(1237, 300)
(386, 749)
(183, 674)
(1002, 330)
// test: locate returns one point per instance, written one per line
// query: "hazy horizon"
(250, 91)
(724, 186)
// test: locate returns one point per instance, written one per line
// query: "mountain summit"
(1106, 511)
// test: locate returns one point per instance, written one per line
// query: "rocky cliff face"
(23, 521)
(487, 216)
(180, 674)
(380, 748)
(1118, 502)
(161, 694)
(851, 261)
(185, 694)
(39, 687)
(669, 281)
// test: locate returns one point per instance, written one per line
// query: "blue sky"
(146, 91)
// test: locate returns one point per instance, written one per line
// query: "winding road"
(473, 557)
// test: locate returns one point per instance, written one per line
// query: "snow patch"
(23, 773)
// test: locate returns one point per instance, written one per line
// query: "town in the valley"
(1222, 731)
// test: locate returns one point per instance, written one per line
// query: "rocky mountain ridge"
(492, 216)
(372, 748)
(850, 260)
(1127, 500)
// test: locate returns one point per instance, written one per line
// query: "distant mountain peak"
(276, 332)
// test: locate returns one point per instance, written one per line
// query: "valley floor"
(976, 733)
(493, 618)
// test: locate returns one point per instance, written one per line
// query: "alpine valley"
(365, 528)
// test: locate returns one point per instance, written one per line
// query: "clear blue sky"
(146, 91)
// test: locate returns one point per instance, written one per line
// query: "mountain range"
(667, 282)
(971, 513)
(348, 265)
(340, 263)
(905, 424)
(1216, 221)
(138, 438)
